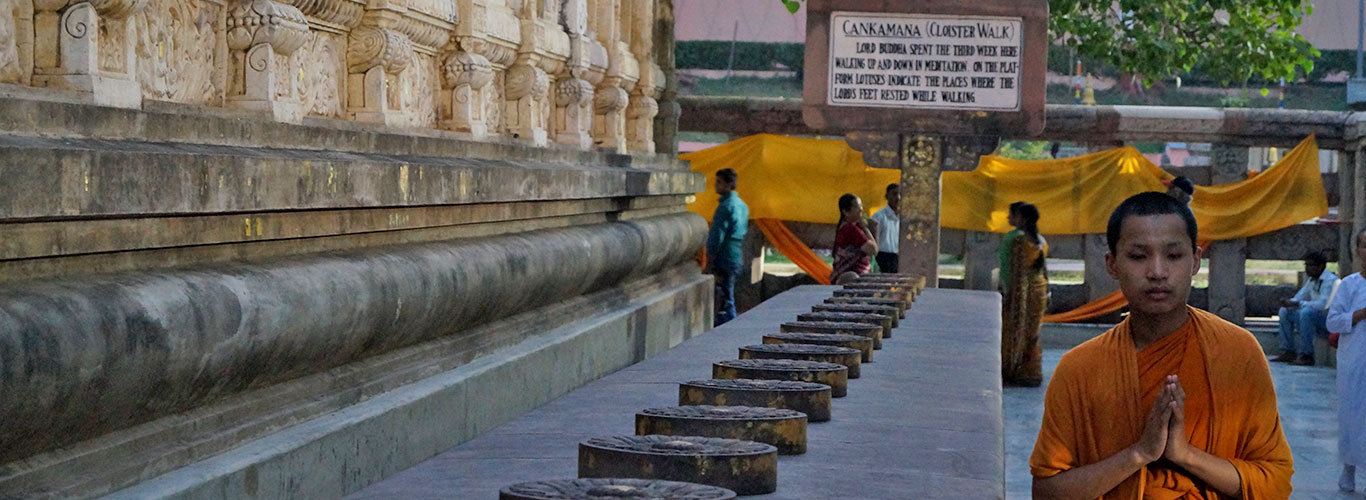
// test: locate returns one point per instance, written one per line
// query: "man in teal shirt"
(724, 241)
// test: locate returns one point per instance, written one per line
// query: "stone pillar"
(749, 284)
(1098, 281)
(643, 106)
(666, 121)
(573, 120)
(1228, 258)
(962, 154)
(262, 35)
(544, 52)
(611, 96)
(88, 47)
(979, 259)
(922, 160)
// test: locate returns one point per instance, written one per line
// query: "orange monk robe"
(1102, 390)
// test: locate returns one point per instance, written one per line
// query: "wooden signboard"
(940, 67)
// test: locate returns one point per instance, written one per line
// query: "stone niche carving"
(376, 57)
(88, 46)
(262, 35)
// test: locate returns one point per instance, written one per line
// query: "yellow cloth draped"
(1076, 195)
(788, 178)
(794, 249)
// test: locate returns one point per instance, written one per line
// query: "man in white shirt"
(887, 226)
(1304, 316)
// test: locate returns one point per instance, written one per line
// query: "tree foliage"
(1229, 40)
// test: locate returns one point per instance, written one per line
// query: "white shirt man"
(888, 230)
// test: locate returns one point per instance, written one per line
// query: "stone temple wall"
(578, 72)
(283, 249)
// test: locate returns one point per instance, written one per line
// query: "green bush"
(749, 56)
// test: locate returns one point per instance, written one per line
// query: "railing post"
(1347, 203)
(1228, 258)
(1093, 248)
(749, 284)
(979, 259)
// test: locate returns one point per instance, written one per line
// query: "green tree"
(1230, 40)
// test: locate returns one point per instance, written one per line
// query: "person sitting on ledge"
(1306, 314)
(1172, 403)
(855, 244)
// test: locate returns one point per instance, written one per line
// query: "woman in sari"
(854, 242)
(1024, 286)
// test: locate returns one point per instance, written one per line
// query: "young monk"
(1173, 403)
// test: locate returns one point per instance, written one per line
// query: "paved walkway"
(1307, 400)
(922, 422)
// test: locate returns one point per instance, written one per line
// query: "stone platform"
(924, 421)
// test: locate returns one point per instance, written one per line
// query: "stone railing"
(583, 73)
(1231, 133)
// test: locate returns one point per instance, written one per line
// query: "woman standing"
(854, 242)
(1347, 318)
(1024, 286)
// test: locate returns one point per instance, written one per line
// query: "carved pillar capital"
(375, 47)
(375, 59)
(257, 22)
(465, 78)
(88, 46)
(262, 34)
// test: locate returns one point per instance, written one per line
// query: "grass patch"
(746, 87)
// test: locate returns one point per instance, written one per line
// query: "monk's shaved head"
(1149, 203)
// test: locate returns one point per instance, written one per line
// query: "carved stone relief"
(10, 64)
(420, 90)
(178, 51)
(323, 60)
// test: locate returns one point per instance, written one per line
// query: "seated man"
(1307, 312)
(1173, 403)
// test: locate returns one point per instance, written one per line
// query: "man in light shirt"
(887, 225)
(1304, 316)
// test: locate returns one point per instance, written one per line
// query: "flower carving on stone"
(421, 88)
(466, 68)
(117, 9)
(323, 81)
(573, 91)
(256, 22)
(610, 100)
(526, 80)
(373, 46)
(175, 51)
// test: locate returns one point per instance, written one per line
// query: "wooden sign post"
(923, 86)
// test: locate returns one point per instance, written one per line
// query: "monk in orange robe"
(1173, 403)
